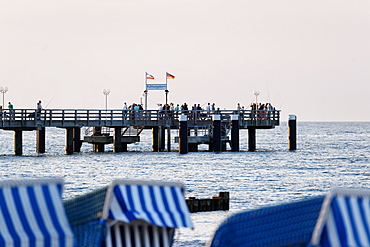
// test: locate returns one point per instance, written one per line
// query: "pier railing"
(31, 118)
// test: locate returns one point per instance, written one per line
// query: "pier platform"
(200, 126)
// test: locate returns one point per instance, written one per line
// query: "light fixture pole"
(145, 94)
(3, 90)
(256, 93)
(106, 93)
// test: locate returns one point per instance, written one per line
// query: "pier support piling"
(251, 139)
(18, 142)
(292, 132)
(69, 141)
(168, 139)
(235, 133)
(162, 138)
(117, 139)
(77, 143)
(183, 134)
(155, 139)
(98, 147)
(40, 140)
(217, 145)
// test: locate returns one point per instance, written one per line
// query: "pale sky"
(309, 58)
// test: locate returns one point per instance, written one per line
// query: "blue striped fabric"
(32, 214)
(163, 206)
(347, 222)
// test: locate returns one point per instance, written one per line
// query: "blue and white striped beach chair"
(341, 218)
(32, 213)
(129, 213)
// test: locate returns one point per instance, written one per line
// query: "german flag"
(169, 76)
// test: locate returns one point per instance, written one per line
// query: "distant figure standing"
(213, 108)
(11, 111)
(125, 109)
(208, 109)
(38, 110)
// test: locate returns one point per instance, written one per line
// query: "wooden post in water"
(77, 143)
(40, 140)
(18, 139)
(162, 138)
(117, 139)
(155, 139)
(292, 132)
(235, 133)
(168, 139)
(251, 139)
(69, 141)
(98, 147)
(183, 134)
(217, 145)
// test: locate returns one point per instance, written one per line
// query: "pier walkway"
(29, 119)
(72, 120)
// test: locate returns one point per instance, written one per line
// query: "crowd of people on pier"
(171, 111)
(196, 111)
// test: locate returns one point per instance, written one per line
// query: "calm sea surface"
(328, 155)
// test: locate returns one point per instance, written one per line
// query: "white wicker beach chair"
(129, 213)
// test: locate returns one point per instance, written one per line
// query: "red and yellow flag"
(149, 76)
(169, 76)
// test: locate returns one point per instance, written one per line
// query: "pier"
(123, 127)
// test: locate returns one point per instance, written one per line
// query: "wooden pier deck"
(20, 120)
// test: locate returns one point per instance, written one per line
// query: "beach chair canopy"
(342, 218)
(32, 213)
(127, 203)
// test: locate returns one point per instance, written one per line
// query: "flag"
(169, 76)
(149, 76)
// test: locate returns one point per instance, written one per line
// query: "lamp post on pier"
(256, 93)
(106, 93)
(166, 91)
(3, 90)
(145, 94)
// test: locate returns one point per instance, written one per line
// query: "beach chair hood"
(158, 203)
(32, 213)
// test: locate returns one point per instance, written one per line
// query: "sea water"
(328, 155)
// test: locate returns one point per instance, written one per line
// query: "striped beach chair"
(129, 213)
(341, 218)
(32, 213)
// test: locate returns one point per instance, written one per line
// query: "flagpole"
(146, 91)
(166, 91)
